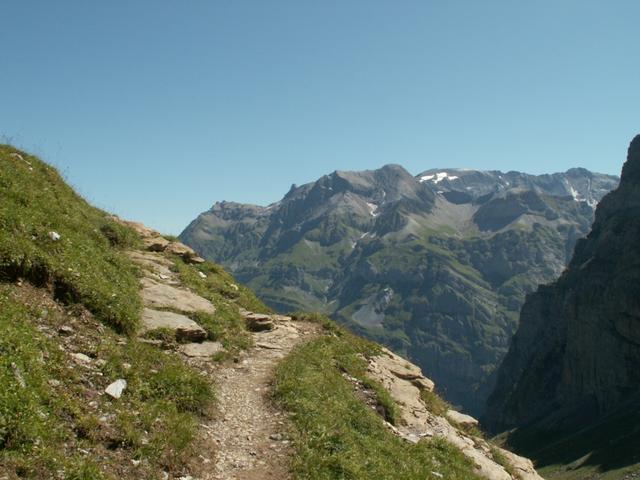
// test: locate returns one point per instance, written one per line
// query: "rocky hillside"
(434, 266)
(124, 355)
(574, 363)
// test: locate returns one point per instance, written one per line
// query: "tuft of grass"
(120, 236)
(501, 460)
(434, 403)
(85, 265)
(322, 320)
(227, 326)
(391, 411)
(336, 435)
(165, 335)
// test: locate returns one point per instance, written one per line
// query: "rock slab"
(204, 349)
(404, 382)
(160, 295)
(185, 329)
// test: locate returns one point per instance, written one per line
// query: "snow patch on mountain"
(437, 177)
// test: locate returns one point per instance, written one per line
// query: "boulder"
(155, 244)
(185, 328)
(258, 322)
(461, 419)
(160, 295)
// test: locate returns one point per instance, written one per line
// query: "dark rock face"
(435, 266)
(576, 354)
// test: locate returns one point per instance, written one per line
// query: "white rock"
(54, 236)
(202, 275)
(116, 388)
(461, 419)
(81, 358)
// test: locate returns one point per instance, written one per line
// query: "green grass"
(218, 286)
(227, 326)
(434, 403)
(45, 427)
(500, 459)
(336, 435)
(85, 265)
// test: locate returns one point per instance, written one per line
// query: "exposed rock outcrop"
(576, 355)
(154, 242)
(157, 294)
(404, 381)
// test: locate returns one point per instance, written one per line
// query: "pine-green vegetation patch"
(51, 236)
(337, 436)
(55, 418)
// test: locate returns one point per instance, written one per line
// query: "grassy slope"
(84, 265)
(337, 435)
(53, 416)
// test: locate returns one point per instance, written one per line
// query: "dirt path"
(249, 433)
(246, 438)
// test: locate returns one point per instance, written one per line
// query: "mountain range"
(436, 266)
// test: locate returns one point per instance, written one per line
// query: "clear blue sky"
(156, 109)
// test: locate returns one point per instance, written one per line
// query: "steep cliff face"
(435, 266)
(576, 355)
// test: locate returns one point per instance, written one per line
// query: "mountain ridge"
(416, 262)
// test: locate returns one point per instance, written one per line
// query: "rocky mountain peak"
(478, 187)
